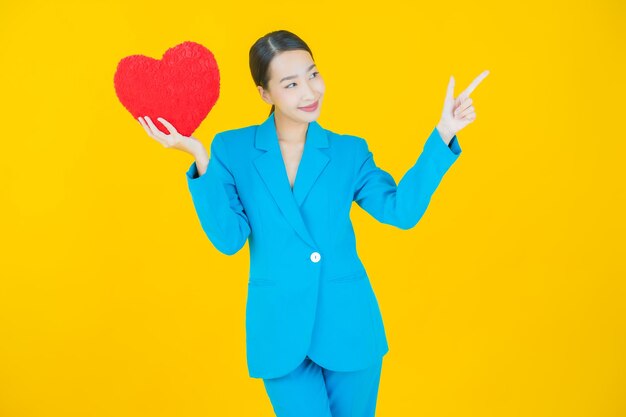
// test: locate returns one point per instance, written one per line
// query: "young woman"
(314, 331)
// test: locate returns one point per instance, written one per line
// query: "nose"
(309, 93)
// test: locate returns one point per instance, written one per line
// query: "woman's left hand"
(459, 112)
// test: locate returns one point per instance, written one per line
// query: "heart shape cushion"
(182, 87)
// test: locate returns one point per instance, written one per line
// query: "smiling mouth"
(311, 106)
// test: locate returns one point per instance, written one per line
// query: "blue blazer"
(308, 291)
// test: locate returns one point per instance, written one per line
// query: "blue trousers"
(313, 391)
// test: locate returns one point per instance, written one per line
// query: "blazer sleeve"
(404, 204)
(217, 203)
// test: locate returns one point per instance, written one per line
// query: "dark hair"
(266, 48)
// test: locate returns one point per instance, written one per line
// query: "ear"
(264, 95)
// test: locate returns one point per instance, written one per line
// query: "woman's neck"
(288, 130)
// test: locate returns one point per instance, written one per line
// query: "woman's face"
(294, 82)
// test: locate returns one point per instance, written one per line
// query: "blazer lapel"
(271, 168)
(312, 163)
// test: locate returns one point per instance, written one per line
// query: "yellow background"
(507, 299)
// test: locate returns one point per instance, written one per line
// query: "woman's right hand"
(174, 140)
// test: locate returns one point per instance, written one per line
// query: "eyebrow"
(295, 76)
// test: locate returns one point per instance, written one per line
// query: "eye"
(287, 86)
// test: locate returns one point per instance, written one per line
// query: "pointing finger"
(474, 83)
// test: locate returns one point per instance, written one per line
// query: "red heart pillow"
(182, 87)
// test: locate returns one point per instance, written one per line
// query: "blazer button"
(315, 257)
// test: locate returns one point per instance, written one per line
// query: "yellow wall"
(507, 299)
